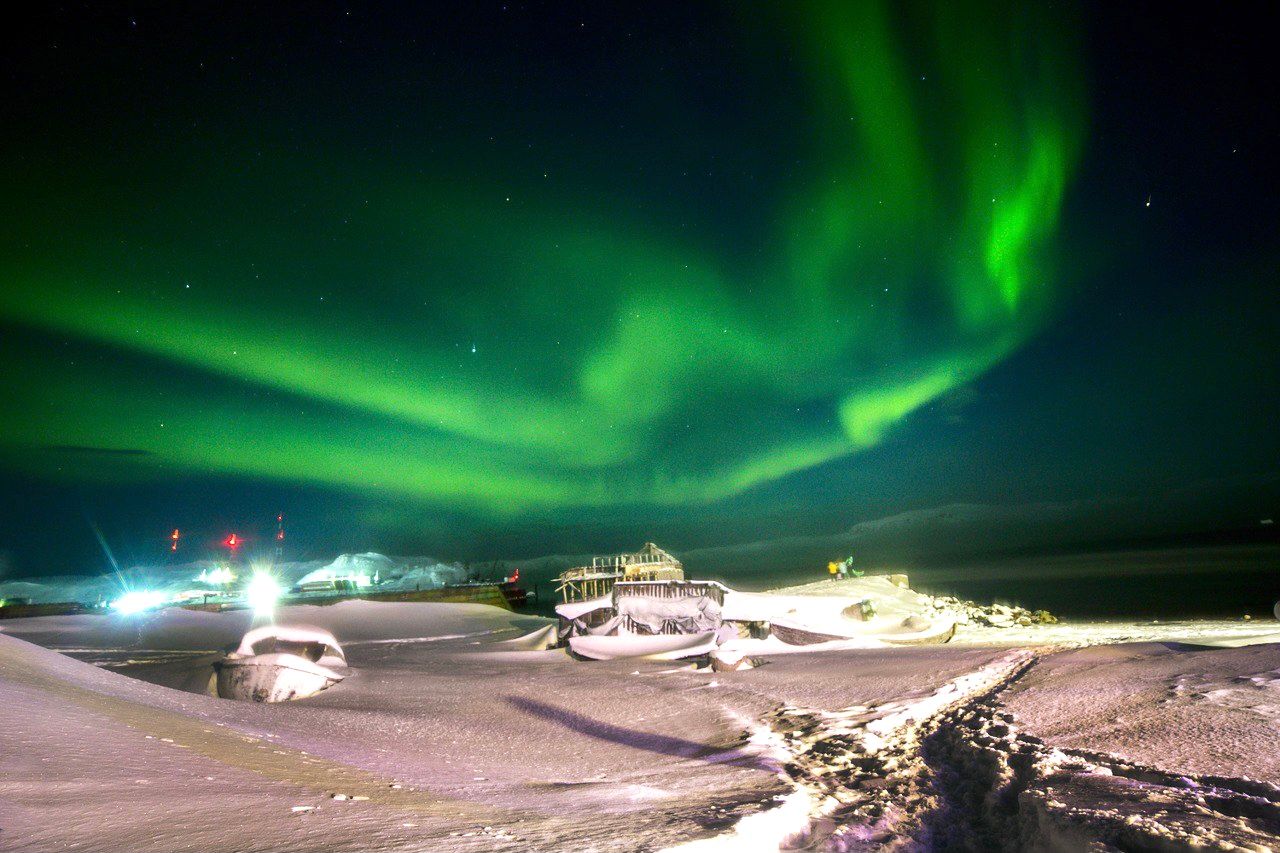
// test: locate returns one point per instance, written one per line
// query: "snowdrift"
(654, 647)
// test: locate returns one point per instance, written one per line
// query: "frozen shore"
(442, 739)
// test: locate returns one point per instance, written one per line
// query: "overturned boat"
(276, 663)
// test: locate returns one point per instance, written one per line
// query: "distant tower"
(279, 537)
(173, 540)
(232, 543)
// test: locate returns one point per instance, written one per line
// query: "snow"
(803, 816)
(1185, 708)
(833, 609)
(654, 647)
(535, 641)
(578, 609)
(352, 565)
(291, 634)
(456, 729)
(532, 744)
(826, 601)
(763, 832)
(743, 647)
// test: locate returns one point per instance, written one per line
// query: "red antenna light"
(174, 536)
(232, 542)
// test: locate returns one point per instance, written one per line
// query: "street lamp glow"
(136, 602)
(262, 593)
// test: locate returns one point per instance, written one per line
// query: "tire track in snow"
(850, 769)
(952, 771)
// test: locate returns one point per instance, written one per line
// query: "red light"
(174, 537)
(280, 534)
(232, 541)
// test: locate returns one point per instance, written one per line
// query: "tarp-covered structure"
(646, 608)
(867, 611)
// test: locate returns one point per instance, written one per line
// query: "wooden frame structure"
(650, 563)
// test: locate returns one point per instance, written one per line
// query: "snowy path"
(953, 771)
(853, 770)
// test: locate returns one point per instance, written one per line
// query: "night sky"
(487, 280)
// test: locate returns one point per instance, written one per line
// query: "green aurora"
(493, 339)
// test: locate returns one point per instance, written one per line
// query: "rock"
(916, 622)
(725, 662)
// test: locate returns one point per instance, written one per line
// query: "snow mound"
(654, 647)
(536, 641)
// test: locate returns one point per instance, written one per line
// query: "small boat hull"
(272, 678)
(935, 635)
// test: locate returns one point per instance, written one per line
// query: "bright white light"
(262, 592)
(136, 602)
(220, 575)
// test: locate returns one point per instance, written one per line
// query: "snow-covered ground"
(450, 734)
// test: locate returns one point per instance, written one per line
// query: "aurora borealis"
(530, 262)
